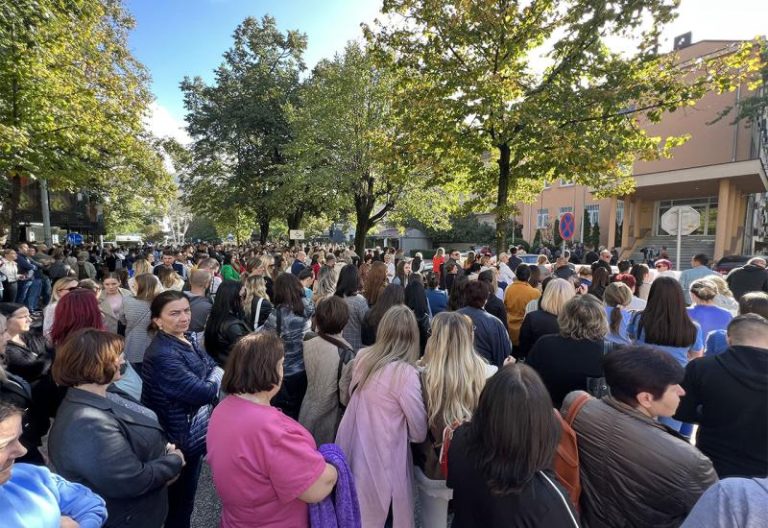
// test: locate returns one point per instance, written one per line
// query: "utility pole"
(46, 211)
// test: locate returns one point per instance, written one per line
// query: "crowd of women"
(325, 388)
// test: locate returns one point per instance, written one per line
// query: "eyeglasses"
(660, 266)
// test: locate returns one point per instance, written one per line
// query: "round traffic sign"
(76, 239)
(567, 226)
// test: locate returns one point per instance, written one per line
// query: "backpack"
(567, 454)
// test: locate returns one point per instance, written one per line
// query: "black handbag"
(598, 387)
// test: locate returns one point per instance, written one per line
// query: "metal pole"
(679, 236)
(46, 212)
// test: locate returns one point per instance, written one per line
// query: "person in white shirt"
(506, 274)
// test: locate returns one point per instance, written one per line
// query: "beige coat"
(320, 411)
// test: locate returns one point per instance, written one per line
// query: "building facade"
(720, 172)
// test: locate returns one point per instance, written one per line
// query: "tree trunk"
(361, 230)
(13, 210)
(263, 229)
(502, 208)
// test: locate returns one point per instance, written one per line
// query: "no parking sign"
(567, 226)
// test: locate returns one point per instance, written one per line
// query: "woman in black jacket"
(226, 323)
(543, 321)
(110, 442)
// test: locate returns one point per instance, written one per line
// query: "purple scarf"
(340, 509)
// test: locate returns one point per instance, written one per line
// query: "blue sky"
(174, 38)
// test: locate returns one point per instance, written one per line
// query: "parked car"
(730, 262)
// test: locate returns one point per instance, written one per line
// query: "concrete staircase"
(690, 246)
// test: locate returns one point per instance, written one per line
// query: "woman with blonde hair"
(385, 413)
(543, 321)
(617, 298)
(724, 297)
(60, 288)
(325, 286)
(572, 359)
(169, 279)
(140, 267)
(256, 301)
(452, 379)
(136, 317)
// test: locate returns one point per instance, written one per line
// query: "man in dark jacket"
(749, 278)
(491, 337)
(494, 305)
(727, 395)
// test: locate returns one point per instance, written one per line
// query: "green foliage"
(470, 83)
(349, 147)
(240, 130)
(557, 240)
(72, 103)
(202, 228)
(462, 229)
(595, 236)
(536, 240)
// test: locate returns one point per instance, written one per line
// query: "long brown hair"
(375, 282)
(665, 320)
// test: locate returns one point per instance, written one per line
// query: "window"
(566, 183)
(542, 218)
(565, 210)
(620, 212)
(594, 213)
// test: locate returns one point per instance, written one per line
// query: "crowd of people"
(327, 388)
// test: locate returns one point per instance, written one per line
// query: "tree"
(586, 228)
(537, 83)
(557, 240)
(595, 238)
(240, 129)
(350, 147)
(537, 243)
(72, 103)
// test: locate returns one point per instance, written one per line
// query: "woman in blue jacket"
(181, 384)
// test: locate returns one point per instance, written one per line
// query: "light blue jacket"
(36, 498)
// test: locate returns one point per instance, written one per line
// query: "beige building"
(719, 172)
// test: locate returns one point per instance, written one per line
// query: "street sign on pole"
(567, 226)
(680, 220)
(296, 234)
(76, 239)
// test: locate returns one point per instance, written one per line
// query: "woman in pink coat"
(385, 413)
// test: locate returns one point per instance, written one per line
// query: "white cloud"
(163, 124)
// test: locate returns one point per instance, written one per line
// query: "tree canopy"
(72, 104)
(538, 83)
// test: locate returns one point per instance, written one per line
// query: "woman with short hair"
(384, 414)
(325, 357)
(181, 383)
(543, 321)
(567, 360)
(110, 443)
(655, 475)
(452, 377)
(265, 466)
(500, 471)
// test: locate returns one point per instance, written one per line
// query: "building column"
(625, 226)
(612, 222)
(721, 226)
(741, 220)
(637, 206)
